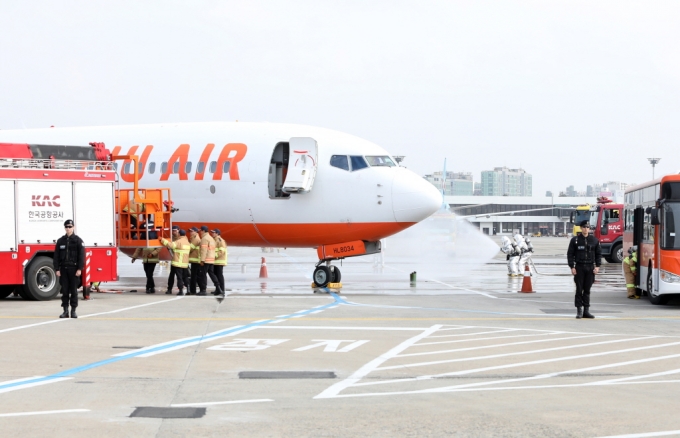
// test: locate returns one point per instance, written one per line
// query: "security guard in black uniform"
(69, 260)
(584, 257)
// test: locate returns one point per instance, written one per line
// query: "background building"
(502, 181)
(455, 183)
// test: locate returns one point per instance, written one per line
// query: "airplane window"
(126, 168)
(141, 167)
(213, 166)
(187, 167)
(340, 161)
(164, 166)
(201, 167)
(380, 160)
(226, 166)
(152, 168)
(358, 162)
(175, 167)
(115, 166)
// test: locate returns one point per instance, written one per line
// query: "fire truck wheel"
(42, 283)
(617, 254)
(6, 290)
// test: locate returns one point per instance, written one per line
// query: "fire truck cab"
(606, 224)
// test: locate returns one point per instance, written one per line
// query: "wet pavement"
(458, 353)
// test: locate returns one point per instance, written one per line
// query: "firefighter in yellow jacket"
(180, 261)
(630, 271)
(150, 259)
(207, 255)
(194, 259)
(220, 256)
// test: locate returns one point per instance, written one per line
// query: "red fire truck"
(606, 224)
(43, 185)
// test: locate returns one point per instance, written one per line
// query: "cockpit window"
(340, 161)
(358, 162)
(380, 160)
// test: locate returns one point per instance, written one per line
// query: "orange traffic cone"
(263, 269)
(526, 282)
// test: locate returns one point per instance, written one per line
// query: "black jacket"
(69, 251)
(584, 251)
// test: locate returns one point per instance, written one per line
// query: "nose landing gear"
(324, 275)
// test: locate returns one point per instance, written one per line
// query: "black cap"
(584, 224)
(182, 233)
(193, 229)
(175, 227)
(68, 222)
(204, 228)
(216, 231)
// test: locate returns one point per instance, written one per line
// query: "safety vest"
(180, 251)
(220, 251)
(148, 255)
(195, 250)
(208, 249)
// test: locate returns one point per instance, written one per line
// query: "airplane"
(267, 184)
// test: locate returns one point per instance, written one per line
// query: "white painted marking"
(645, 376)
(485, 339)
(645, 434)
(277, 321)
(232, 402)
(86, 316)
(248, 344)
(315, 311)
(200, 340)
(311, 327)
(281, 316)
(481, 347)
(65, 411)
(30, 385)
(338, 387)
(297, 316)
(474, 334)
(456, 327)
(352, 346)
(513, 365)
(516, 353)
(261, 320)
(332, 345)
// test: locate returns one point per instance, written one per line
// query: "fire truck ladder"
(144, 215)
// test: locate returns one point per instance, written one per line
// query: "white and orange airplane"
(267, 184)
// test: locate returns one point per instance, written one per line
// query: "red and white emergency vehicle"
(606, 223)
(43, 185)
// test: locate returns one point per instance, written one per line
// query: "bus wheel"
(617, 254)
(654, 299)
(42, 283)
(6, 290)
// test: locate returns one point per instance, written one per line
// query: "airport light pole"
(653, 162)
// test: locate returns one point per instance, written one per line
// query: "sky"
(574, 92)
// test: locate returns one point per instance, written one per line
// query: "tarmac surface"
(455, 354)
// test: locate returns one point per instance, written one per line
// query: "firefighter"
(630, 271)
(207, 255)
(180, 260)
(69, 260)
(220, 257)
(150, 259)
(584, 257)
(194, 259)
(185, 271)
(509, 248)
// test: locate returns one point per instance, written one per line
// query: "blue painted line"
(80, 369)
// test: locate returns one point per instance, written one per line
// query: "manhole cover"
(573, 310)
(151, 412)
(286, 375)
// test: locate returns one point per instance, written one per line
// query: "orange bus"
(652, 219)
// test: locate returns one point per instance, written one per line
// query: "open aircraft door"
(302, 165)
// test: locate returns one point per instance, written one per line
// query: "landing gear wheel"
(654, 299)
(322, 276)
(335, 275)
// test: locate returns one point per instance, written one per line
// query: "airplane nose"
(413, 198)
